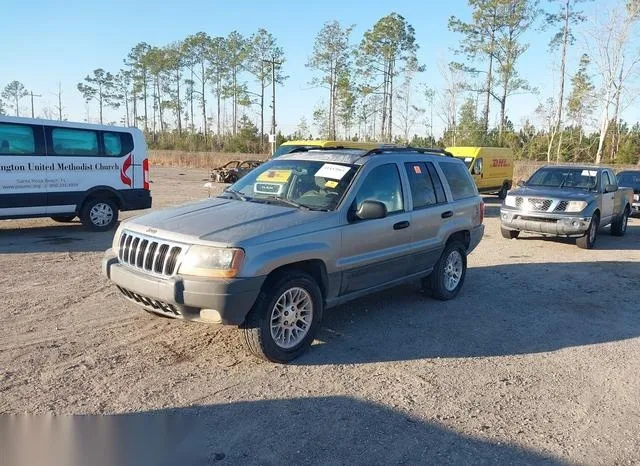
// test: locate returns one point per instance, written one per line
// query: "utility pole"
(32, 96)
(272, 136)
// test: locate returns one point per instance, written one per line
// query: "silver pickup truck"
(567, 201)
(299, 234)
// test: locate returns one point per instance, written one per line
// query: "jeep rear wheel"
(283, 322)
(448, 275)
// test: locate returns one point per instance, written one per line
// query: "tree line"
(199, 93)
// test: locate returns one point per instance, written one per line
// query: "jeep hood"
(227, 222)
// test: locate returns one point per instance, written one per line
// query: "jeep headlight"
(575, 206)
(205, 261)
(510, 201)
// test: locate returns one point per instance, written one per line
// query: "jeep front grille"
(156, 256)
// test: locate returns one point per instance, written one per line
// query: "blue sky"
(45, 43)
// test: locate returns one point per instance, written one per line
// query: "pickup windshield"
(295, 183)
(560, 177)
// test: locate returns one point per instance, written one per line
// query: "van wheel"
(447, 277)
(282, 324)
(64, 219)
(509, 234)
(99, 214)
(619, 225)
(588, 241)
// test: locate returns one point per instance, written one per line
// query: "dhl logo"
(499, 163)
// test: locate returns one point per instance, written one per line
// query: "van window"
(112, 144)
(459, 180)
(74, 142)
(16, 140)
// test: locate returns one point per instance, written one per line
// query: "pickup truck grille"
(538, 205)
(158, 257)
(561, 207)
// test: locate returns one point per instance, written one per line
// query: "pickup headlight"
(510, 201)
(204, 261)
(575, 206)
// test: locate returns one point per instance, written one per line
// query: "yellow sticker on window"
(331, 184)
(274, 176)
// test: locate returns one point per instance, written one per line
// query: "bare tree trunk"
(145, 92)
(391, 102)
(615, 137)
(159, 96)
(126, 106)
(60, 101)
(563, 62)
(178, 101)
(262, 106)
(604, 127)
(485, 118)
(204, 101)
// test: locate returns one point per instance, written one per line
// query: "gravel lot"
(537, 361)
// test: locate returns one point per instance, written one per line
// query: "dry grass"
(208, 160)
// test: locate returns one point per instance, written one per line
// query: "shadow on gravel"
(68, 237)
(605, 240)
(299, 431)
(502, 310)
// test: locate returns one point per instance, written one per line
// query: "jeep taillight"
(145, 173)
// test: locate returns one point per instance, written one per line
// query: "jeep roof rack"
(421, 150)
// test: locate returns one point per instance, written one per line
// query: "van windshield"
(467, 160)
(296, 183)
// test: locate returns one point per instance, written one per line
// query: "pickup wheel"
(509, 234)
(588, 241)
(448, 275)
(99, 214)
(619, 225)
(285, 317)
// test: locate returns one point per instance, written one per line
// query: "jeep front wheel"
(283, 322)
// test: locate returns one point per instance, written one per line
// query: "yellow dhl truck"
(289, 146)
(491, 167)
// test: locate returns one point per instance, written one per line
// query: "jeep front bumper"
(225, 301)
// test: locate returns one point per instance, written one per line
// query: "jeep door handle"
(401, 225)
(447, 214)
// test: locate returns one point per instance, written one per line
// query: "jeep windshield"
(295, 183)
(553, 177)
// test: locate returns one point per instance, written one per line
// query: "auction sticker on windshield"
(589, 172)
(275, 176)
(335, 172)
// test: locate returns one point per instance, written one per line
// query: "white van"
(65, 170)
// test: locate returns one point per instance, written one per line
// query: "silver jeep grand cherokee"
(302, 233)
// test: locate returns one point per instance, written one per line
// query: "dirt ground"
(536, 361)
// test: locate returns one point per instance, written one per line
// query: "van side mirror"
(610, 188)
(370, 210)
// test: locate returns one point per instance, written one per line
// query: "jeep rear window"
(459, 180)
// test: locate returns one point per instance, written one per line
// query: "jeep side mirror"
(370, 210)
(610, 188)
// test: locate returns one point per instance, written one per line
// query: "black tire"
(619, 225)
(99, 214)
(63, 219)
(509, 234)
(588, 241)
(258, 335)
(503, 192)
(435, 284)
